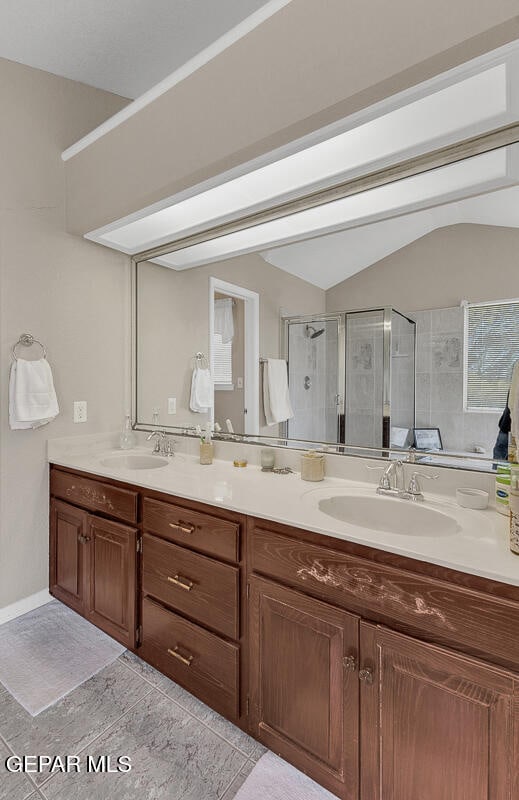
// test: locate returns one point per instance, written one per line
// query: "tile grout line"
(32, 785)
(234, 778)
(89, 743)
(202, 722)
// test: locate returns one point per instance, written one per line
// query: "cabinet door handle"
(184, 527)
(366, 675)
(83, 539)
(184, 659)
(184, 583)
(350, 663)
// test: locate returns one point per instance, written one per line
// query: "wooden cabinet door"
(436, 725)
(67, 578)
(112, 568)
(304, 685)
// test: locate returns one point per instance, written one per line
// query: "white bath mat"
(274, 779)
(48, 652)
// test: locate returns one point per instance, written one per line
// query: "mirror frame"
(466, 148)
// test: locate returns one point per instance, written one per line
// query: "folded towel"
(223, 319)
(32, 397)
(276, 399)
(513, 402)
(202, 391)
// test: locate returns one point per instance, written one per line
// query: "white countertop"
(479, 547)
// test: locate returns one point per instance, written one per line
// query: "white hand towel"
(513, 402)
(223, 319)
(32, 397)
(202, 391)
(276, 398)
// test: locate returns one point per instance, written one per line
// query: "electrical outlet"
(80, 410)
(172, 405)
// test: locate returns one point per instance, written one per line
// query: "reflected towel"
(513, 402)
(202, 391)
(32, 397)
(223, 319)
(276, 398)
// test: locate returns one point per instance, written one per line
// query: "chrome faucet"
(392, 480)
(164, 445)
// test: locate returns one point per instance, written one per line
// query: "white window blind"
(492, 348)
(222, 361)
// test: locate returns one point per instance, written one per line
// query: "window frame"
(466, 309)
(220, 386)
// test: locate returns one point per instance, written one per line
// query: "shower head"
(313, 333)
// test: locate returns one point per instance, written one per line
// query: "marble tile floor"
(179, 748)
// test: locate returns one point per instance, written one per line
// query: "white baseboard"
(23, 606)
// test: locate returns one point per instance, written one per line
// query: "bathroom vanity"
(381, 676)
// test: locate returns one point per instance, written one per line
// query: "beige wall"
(460, 262)
(69, 293)
(173, 324)
(310, 64)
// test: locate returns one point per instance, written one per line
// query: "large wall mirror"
(385, 319)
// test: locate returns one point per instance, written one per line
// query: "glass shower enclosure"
(351, 377)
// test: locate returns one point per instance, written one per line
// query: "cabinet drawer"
(211, 535)
(433, 609)
(94, 495)
(195, 585)
(201, 662)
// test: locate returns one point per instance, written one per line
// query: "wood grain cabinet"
(93, 569)
(370, 712)
(67, 579)
(112, 556)
(304, 684)
(436, 725)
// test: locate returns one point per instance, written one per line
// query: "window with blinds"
(492, 348)
(222, 362)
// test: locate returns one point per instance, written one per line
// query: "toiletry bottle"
(206, 446)
(514, 509)
(503, 489)
(127, 439)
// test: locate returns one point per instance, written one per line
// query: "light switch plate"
(172, 405)
(239, 383)
(80, 411)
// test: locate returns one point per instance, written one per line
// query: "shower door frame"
(387, 343)
(338, 317)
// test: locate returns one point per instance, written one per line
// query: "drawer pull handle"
(350, 663)
(184, 583)
(182, 526)
(366, 675)
(185, 660)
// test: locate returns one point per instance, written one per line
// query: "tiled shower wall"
(313, 369)
(364, 378)
(439, 383)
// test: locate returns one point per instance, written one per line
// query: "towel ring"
(27, 339)
(201, 360)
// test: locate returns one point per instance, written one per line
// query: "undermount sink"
(135, 462)
(389, 515)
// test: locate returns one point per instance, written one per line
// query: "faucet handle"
(385, 479)
(415, 490)
(411, 455)
(169, 446)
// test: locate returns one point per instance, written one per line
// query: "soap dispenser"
(127, 439)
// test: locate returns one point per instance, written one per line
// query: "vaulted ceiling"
(123, 46)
